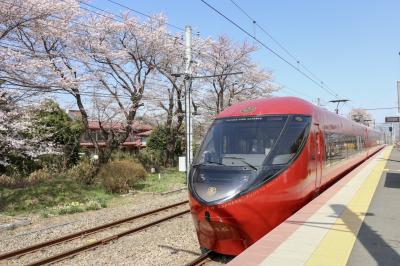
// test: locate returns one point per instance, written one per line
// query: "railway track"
(87, 232)
(200, 260)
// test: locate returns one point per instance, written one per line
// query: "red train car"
(262, 160)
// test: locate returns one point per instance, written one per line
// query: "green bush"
(121, 155)
(119, 176)
(72, 207)
(83, 172)
(150, 159)
(93, 205)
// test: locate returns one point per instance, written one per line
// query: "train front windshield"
(240, 153)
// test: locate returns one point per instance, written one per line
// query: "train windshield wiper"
(242, 160)
(209, 162)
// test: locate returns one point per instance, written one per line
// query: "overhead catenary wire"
(85, 93)
(280, 45)
(145, 15)
(113, 18)
(19, 48)
(90, 26)
(271, 50)
(198, 52)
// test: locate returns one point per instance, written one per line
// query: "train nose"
(217, 233)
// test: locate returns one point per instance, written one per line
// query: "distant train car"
(262, 160)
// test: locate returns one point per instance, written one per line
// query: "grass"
(168, 180)
(60, 195)
(53, 197)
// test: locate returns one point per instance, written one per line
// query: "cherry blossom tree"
(17, 136)
(17, 19)
(225, 57)
(25, 13)
(124, 63)
(74, 51)
(120, 57)
(360, 115)
(169, 94)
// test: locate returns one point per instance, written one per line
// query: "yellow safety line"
(336, 246)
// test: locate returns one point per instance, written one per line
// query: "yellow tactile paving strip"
(302, 245)
(336, 246)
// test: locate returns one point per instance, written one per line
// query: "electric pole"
(188, 98)
(188, 77)
(338, 102)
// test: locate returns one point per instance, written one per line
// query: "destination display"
(392, 119)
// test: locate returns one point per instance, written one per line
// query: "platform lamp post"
(338, 101)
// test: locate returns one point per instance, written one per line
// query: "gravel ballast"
(173, 242)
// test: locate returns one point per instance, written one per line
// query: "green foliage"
(73, 207)
(51, 120)
(167, 180)
(150, 159)
(119, 176)
(49, 124)
(82, 172)
(49, 197)
(121, 155)
(19, 167)
(159, 140)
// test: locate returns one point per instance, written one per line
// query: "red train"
(262, 160)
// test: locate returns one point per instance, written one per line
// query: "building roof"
(136, 126)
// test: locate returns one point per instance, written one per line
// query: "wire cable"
(270, 49)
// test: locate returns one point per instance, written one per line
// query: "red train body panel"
(330, 146)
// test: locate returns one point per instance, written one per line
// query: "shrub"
(121, 155)
(102, 201)
(150, 159)
(119, 176)
(17, 181)
(93, 205)
(83, 172)
(38, 176)
(69, 208)
(7, 181)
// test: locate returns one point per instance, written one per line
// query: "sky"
(351, 46)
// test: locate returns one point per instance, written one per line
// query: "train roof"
(293, 105)
(266, 106)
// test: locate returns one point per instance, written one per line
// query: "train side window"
(337, 147)
(327, 149)
(351, 145)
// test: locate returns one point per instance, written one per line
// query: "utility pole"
(338, 102)
(398, 95)
(188, 77)
(188, 98)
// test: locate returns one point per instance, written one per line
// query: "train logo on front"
(211, 191)
(248, 109)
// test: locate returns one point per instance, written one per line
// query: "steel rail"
(69, 253)
(200, 259)
(22, 251)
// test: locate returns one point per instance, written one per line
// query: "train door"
(318, 156)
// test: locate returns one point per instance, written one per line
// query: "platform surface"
(355, 222)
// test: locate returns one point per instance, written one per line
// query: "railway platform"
(354, 222)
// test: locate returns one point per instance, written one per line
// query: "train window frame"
(343, 141)
(262, 178)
